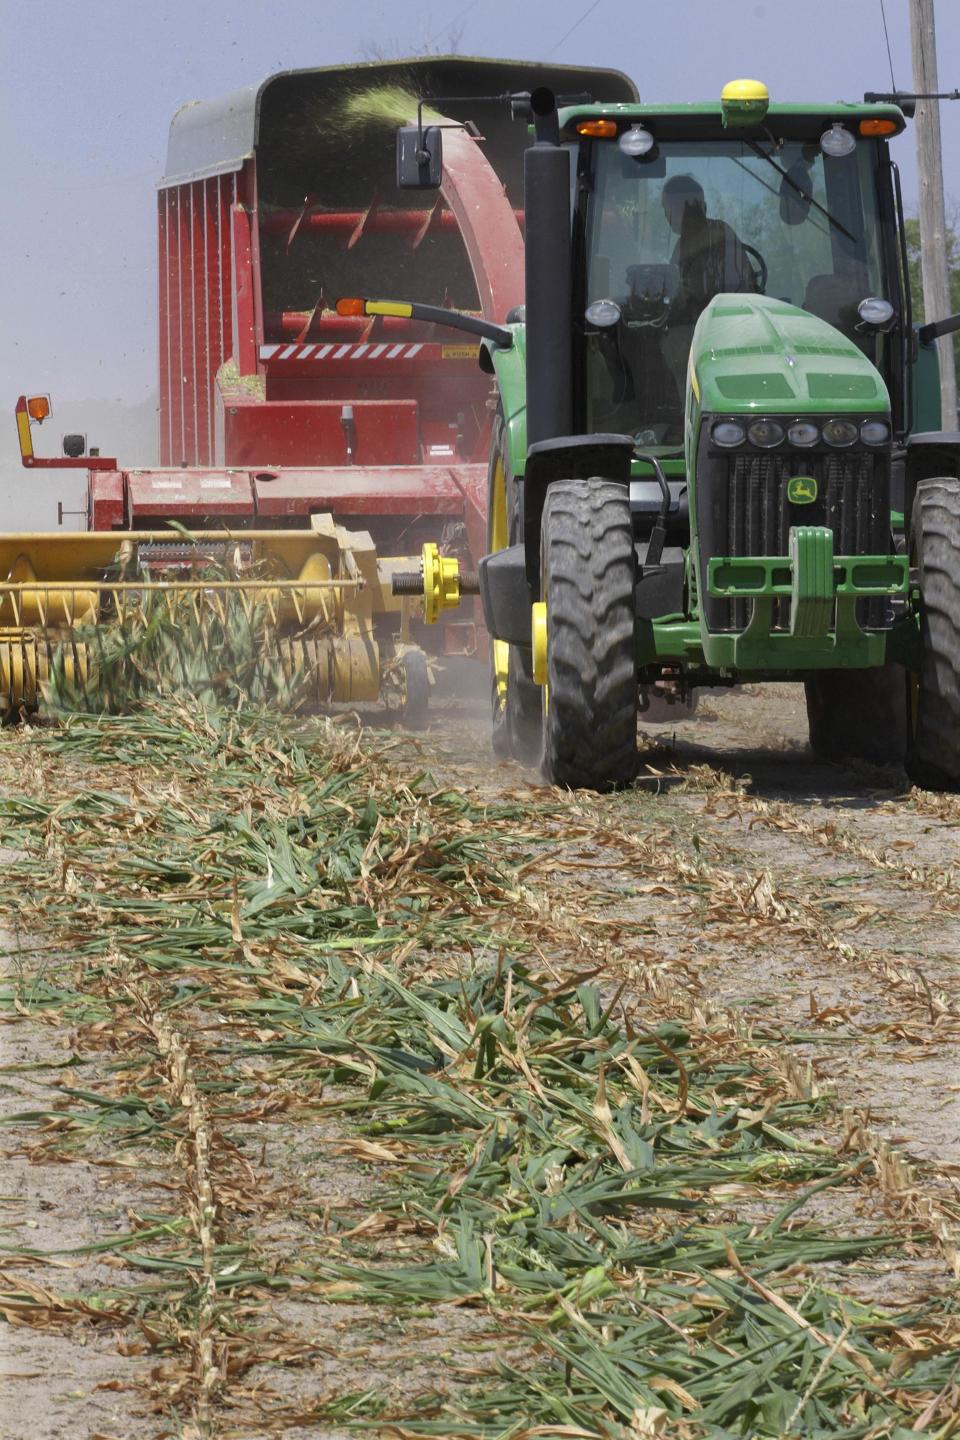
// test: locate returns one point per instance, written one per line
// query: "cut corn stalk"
(553, 1157)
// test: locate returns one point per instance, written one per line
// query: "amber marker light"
(878, 127)
(38, 407)
(351, 305)
(597, 129)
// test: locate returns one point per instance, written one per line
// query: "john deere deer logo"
(801, 490)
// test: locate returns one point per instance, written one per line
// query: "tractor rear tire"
(515, 705)
(516, 719)
(933, 752)
(857, 715)
(588, 574)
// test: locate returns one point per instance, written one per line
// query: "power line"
(886, 36)
(450, 23)
(575, 26)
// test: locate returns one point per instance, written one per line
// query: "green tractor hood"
(752, 353)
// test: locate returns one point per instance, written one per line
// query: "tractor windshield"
(666, 233)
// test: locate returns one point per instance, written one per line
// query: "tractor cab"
(676, 206)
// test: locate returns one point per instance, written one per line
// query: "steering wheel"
(759, 269)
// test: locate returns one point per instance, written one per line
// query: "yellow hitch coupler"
(439, 582)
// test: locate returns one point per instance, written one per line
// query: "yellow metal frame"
(499, 539)
(319, 591)
(538, 637)
(24, 436)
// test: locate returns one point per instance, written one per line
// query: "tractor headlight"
(727, 433)
(840, 433)
(765, 433)
(876, 313)
(804, 433)
(874, 432)
(603, 314)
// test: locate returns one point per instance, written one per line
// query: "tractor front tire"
(933, 752)
(588, 574)
(857, 715)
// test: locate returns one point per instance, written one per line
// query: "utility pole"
(933, 220)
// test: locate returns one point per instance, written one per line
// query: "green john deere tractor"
(718, 454)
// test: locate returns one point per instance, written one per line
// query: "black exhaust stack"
(546, 186)
(553, 453)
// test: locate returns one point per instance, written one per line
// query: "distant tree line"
(953, 265)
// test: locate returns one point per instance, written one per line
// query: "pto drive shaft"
(439, 581)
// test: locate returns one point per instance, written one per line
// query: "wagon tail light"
(430, 314)
(33, 410)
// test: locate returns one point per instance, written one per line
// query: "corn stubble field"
(354, 1085)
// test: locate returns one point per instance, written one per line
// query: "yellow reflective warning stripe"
(402, 309)
(23, 431)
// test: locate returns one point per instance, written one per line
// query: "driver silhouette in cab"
(711, 260)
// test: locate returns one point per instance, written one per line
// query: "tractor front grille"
(743, 509)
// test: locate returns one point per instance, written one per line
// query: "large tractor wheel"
(588, 573)
(515, 698)
(857, 715)
(933, 702)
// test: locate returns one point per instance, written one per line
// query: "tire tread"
(933, 759)
(590, 726)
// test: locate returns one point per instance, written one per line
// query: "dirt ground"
(851, 888)
(815, 904)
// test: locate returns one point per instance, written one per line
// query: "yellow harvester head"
(96, 620)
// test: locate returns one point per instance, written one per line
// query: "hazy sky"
(89, 87)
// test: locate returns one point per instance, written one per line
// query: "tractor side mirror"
(796, 194)
(419, 157)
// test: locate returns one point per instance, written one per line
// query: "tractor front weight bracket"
(823, 590)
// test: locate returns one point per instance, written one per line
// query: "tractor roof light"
(39, 408)
(837, 141)
(597, 129)
(636, 141)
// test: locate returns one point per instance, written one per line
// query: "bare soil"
(806, 903)
(849, 884)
